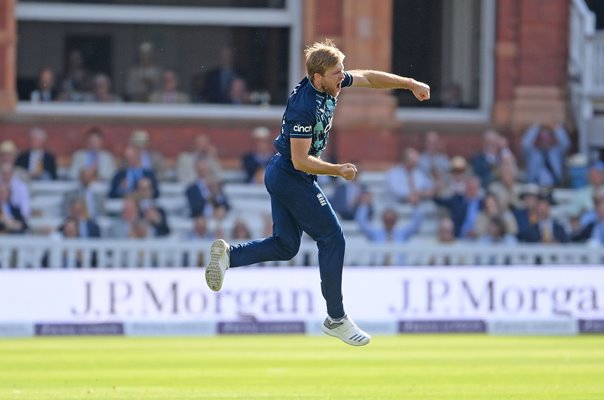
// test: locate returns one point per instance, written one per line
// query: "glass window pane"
(191, 3)
(259, 56)
(438, 42)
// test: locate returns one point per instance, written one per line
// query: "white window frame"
(288, 17)
(487, 78)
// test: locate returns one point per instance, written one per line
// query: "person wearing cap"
(150, 159)
(144, 78)
(256, 160)
(454, 181)
(94, 157)
(39, 163)
(544, 148)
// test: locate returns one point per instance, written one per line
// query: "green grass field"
(303, 367)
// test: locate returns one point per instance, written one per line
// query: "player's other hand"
(347, 171)
(421, 91)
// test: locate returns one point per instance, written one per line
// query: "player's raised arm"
(385, 80)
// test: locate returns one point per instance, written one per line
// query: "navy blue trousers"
(299, 205)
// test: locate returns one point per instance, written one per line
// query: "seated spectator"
(204, 196)
(218, 81)
(39, 163)
(346, 197)
(491, 209)
(240, 231)
(582, 199)
(101, 90)
(125, 180)
(200, 230)
(464, 209)
(11, 220)
(589, 216)
(149, 210)
(76, 82)
(94, 157)
(506, 187)
(92, 201)
(150, 159)
(202, 148)
(407, 182)
(446, 231)
(526, 212)
(238, 92)
(169, 93)
(388, 231)
(593, 232)
(433, 162)
(485, 163)
(545, 229)
(497, 233)
(454, 182)
(46, 90)
(20, 196)
(255, 161)
(544, 149)
(86, 227)
(129, 225)
(144, 78)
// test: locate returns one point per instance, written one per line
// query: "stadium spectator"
(485, 163)
(217, 85)
(506, 187)
(544, 149)
(238, 92)
(150, 159)
(76, 83)
(143, 78)
(92, 201)
(255, 161)
(240, 230)
(454, 182)
(433, 162)
(124, 181)
(149, 210)
(129, 225)
(201, 230)
(202, 148)
(582, 199)
(11, 220)
(496, 232)
(20, 195)
(407, 182)
(587, 217)
(94, 157)
(204, 195)
(593, 232)
(85, 224)
(169, 93)
(46, 90)
(526, 212)
(101, 90)
(387, 231)
(463, 209)
(446, 230)
(347, 195)
(545, 228)
(39, 163)
(491, 209)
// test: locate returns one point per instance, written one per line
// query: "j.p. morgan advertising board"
(412, 298)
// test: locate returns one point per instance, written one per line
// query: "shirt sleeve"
(347, 80)
(301, 126)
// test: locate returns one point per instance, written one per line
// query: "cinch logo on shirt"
(303, 129)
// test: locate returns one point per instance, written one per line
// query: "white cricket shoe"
(346, 330)
(219, 263)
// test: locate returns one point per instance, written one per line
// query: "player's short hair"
(321, 56)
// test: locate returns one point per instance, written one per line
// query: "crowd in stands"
(485, 199)
(146, 82)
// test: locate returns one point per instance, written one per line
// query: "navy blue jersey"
(308, 114)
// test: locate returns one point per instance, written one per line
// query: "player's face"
(331, 81)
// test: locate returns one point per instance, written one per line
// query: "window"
(446, 43)
(186, 40)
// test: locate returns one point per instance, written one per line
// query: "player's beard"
(333, 90)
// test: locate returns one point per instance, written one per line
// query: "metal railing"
(23, 252)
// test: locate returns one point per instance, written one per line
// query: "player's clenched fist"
(421, 91)
(348, 171)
